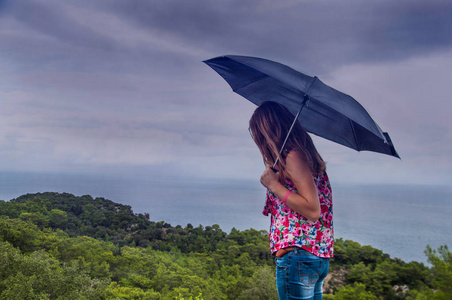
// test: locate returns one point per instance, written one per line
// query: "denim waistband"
(301, 252)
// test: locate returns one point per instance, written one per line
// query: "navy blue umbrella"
(320, 109)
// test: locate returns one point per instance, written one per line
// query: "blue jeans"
(300, 275)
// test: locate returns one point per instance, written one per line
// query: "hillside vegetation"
(59, 246)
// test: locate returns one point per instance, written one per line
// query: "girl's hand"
(306, 200)
(269, 178)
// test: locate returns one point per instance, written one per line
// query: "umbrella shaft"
(290, 130)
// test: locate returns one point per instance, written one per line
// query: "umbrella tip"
(391, 145)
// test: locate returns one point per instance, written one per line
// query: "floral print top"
(288, 228)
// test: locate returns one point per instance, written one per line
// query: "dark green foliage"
(351, 253)
(441, 261)
(372, 270)
(141, 258)
(40, 276)
(357, 291)
(98, 218)
(59, 246)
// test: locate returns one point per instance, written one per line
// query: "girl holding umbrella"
(299, 201)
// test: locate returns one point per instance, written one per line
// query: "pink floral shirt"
(288, 228)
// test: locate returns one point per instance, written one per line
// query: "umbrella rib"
(251, 82)
(350, 121)
(354, 134)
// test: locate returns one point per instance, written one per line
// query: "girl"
(298, 200)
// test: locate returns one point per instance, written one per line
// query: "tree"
(359, 273)
(40, 276)
(58, 218)
(441, 260)
(261, 286)
(357, 291)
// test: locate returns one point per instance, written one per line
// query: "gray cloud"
(320, 35)
(122, 83)
(54, 23)
(328, 33)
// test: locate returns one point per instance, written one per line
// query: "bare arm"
(306, 201)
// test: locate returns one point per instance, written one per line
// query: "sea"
(400, 220)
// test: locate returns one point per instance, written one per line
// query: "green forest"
(61, 246)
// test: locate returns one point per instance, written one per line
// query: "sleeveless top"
(288, 228)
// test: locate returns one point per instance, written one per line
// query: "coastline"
(399, 220)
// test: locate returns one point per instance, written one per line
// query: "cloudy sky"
(120, 87)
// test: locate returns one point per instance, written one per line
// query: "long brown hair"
(269, 126)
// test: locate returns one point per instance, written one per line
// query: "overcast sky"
(120, 87)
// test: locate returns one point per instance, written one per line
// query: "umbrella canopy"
(320, 109)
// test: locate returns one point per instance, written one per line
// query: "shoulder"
(295, 158)
(296, 165)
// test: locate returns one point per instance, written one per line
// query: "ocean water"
(400, 220)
